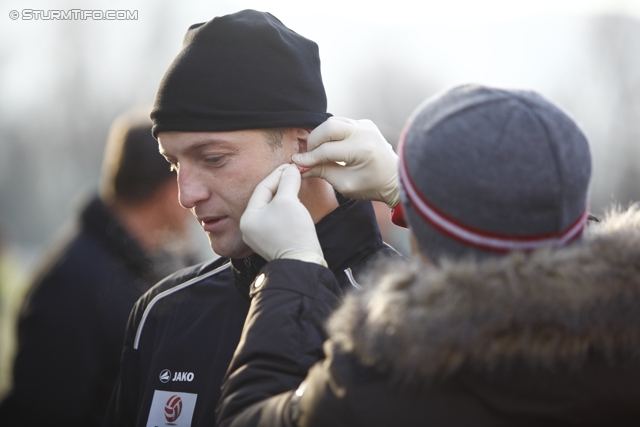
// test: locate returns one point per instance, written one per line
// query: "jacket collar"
(346, 235)
(96, 219)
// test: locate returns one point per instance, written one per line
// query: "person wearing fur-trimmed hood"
(510, 312)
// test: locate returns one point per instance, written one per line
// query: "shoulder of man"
(358, 271)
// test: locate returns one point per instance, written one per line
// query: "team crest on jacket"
(170, 408)
(173, 408)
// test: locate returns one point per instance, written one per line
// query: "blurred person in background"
(12, 289)
(72, 324)
(507, 315)
(237, 102)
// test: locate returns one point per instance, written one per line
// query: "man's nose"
(191, 188)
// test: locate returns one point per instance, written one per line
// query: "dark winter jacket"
(73, 322)
(182, 334)
(546, 339)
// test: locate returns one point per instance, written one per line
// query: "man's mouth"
(212, 224)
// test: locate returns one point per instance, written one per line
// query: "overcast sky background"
(63, 82)
(445, 37)
(512, 42)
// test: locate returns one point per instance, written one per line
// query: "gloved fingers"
(266, 189)
(289, 184)
(335, 151)
(334, 129)
(326, 171)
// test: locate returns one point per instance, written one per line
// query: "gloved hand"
(371, 166)
(276, 225)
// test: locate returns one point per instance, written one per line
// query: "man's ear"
(302, 135)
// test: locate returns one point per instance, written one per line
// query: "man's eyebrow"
(200, 144)
(206, 142)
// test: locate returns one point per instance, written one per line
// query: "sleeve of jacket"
(123, 407)
(326, 395)
(281, 339)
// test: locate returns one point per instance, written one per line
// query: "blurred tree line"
(52, 149)
(615, 43)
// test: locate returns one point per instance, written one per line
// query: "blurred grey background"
(63, 82)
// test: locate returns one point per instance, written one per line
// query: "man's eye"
(215, 161)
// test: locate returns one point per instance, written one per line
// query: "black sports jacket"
(182, 334)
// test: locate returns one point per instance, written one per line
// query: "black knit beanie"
(241, 71)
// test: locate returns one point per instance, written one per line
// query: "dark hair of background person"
(133, 168)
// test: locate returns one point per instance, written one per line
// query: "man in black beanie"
(239, 100)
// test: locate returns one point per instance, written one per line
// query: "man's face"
(217, 173)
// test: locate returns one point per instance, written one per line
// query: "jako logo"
(165, 376)
(173, 408)
(183, 376)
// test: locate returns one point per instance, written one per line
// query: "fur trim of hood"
(547, 308)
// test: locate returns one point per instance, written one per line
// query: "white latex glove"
(370, 170)
(276, 225)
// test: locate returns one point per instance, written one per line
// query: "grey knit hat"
(485, 171)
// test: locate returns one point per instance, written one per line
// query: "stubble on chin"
(235, 248)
